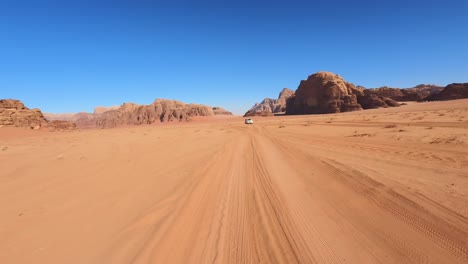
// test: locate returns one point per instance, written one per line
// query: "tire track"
(440, 232)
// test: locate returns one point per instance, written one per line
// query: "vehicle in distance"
(249, 121)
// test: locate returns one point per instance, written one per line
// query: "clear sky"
(69, 56)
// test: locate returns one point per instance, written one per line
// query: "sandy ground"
(377, 186)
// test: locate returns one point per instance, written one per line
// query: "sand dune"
(375, 186)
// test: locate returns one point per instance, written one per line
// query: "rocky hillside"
(451, 92)
(15, 113)
(326, 92)
(271, 106)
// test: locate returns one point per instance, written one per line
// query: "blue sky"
(69, 56)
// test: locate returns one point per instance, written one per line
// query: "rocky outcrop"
(422, 92)
(271, 106)
(417, 93)
(326, 92)
(451, 92)
(161, 110)
(322, 93)
(369, 100)
(15, 113)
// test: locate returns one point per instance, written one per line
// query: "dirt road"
(285, 190)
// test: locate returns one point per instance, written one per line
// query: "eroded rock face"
(322, 93)
(161, 110)
(271, 106)
(14, 113)
(451, 92)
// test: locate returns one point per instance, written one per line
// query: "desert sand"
(376, 186)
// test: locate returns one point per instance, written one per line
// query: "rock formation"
(161, 110)
(422, 91)
(14, 113)
(271, 106)
(322, 93)
(368, 99)
(417, 93)
(326, 92)
(451, 92)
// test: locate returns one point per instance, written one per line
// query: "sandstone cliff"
(321, 93)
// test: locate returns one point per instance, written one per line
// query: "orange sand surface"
(375, 186)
